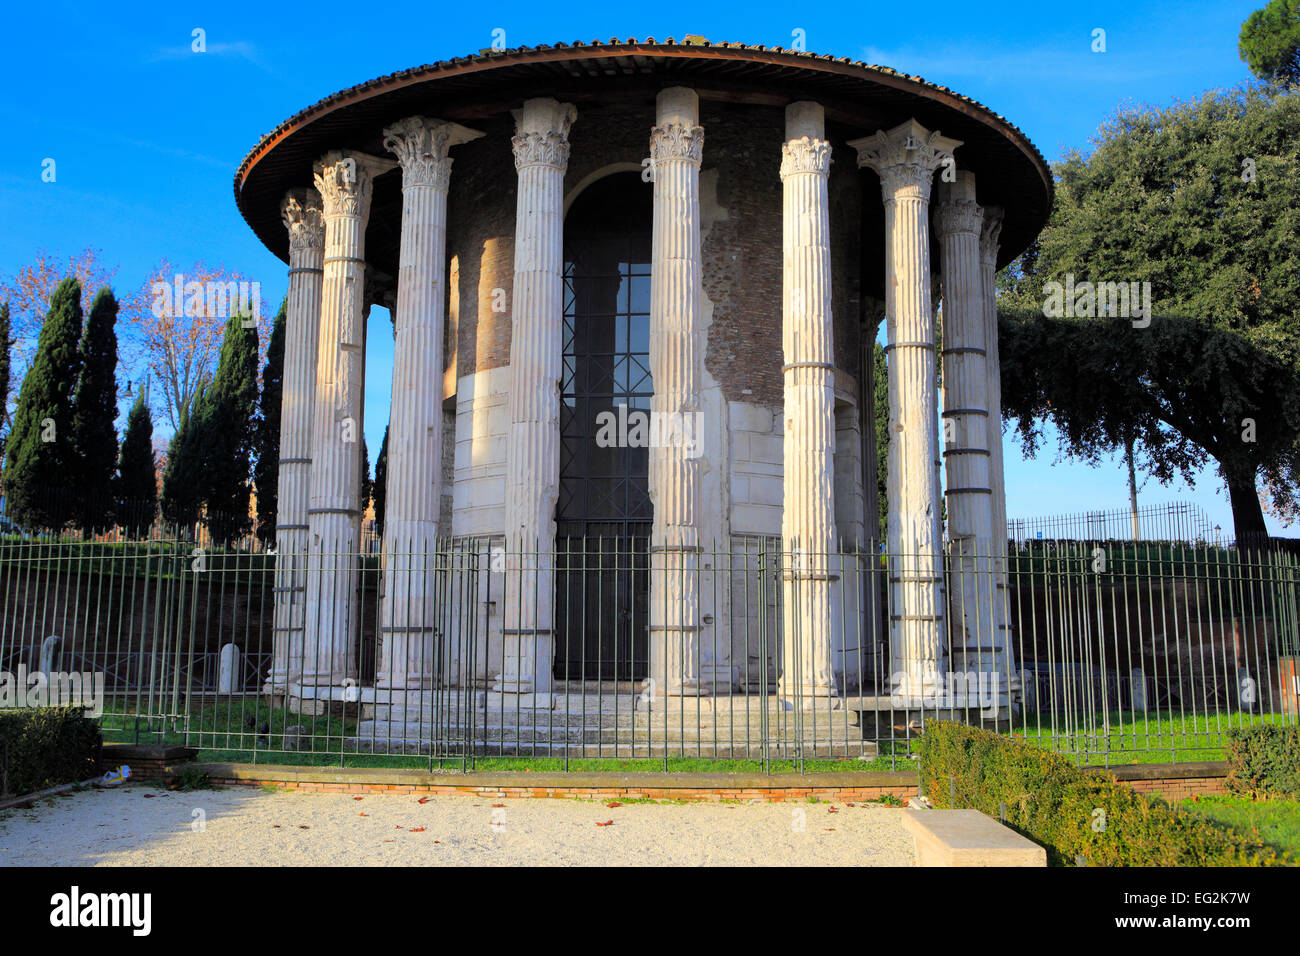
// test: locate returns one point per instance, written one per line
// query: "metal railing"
(1174, 521)
(617, 649)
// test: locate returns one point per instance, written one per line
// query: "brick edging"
(1172, 781)
(655, 786)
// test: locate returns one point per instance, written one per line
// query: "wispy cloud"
(238, 50)
(1058, 63)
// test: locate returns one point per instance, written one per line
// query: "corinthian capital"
(542, 133)
(300, 210)
(540, 149)
(905, 158)
(420, 146)
(680, 141)
(959, 216)
(345, 181)
(990, 233)
(805, 155)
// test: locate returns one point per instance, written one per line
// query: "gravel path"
(142, 826)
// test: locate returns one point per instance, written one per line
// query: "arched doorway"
(604, 512)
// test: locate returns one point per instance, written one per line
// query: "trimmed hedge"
(1264, 761)
(48, 746)
(1055, 803)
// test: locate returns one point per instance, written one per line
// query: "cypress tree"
(366, 483)
(183, 481)
(5, 345)
(880, 398)
(136, 485)
(266, 475)
(232, 404)
(94, 411)
(40, 441)
(381, 483)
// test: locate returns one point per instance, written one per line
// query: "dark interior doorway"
(603, 515)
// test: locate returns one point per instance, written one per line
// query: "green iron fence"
(612, 649)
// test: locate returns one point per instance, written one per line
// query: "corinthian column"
(1008, 677)
(301, 212)
(676, 148)
(966, 418)
(345, 182)
(541, 148)
(808, 515)
(414, 492)
(905, 158)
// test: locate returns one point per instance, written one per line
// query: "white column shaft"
(966, 416)
(533, 458)
(906, 158)
(676, 149)
(414, 482)
(808, 502)
(1008, 676)
(301, 212)
(344, 181)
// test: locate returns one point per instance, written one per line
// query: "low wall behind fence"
(616, 649)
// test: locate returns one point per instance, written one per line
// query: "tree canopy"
(94, 414)
(39, 452)
(266, 473)
(1269, 42)
(1201, 200)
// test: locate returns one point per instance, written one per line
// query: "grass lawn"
(1273, 822)
(230, 731)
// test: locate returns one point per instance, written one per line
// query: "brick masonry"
(1170, 781)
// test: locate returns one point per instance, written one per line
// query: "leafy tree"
(29, 290)
(180, 341)
(184, 479)
(137, 483)
(232, 400)
(266, 473)
(39, 446)
(381, 483)
(1269, 42)
(1201, 200)
(94, 412)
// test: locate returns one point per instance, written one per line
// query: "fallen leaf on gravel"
(830, 829)
(389, 841)
(607, 823)
(613, 803)
(832, 810)
(358, 798)
(423, 800)
(303, 826)
(275, 826)
(417, 829)
(363, 814)
(498, 804)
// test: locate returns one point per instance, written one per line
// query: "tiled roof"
(614, 46)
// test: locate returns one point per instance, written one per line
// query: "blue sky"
(147, 134)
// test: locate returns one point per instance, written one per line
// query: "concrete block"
(968, 838)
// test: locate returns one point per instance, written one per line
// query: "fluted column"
(808, 502)
(414, 489)
(676, 150)
(1008, 676)
(541, 149)
(966, 417)
(345, 183)
(302, 216)
(905, 158)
